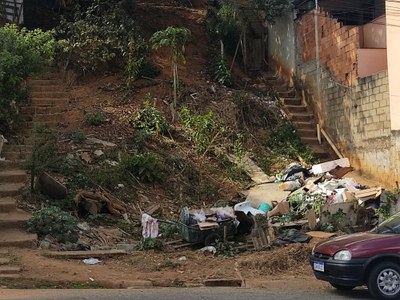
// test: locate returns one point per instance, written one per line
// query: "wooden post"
(319, 134)
(331, 143)
(225, 233)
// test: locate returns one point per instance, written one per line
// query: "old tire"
(211, 238)
(185, 216)
(342, 287)
(384, 281)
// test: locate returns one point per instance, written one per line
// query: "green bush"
(201, 130)
(104, 32)
(22, 53)
(145, 167)
(150, 244)
(149, 119)
(76, 136)
(222, 74)
(95, 118)
(56, 223)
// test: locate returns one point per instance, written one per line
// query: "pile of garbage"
(324, 198)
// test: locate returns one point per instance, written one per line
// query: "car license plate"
(319, 266)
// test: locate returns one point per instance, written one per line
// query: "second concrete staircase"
(300, 116)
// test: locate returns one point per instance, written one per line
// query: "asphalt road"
(202, 293)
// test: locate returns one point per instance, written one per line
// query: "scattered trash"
(112, 163)
(291, 236)
(182, 258)
(85, 156)
(96, 202)
(98, 153)
(247, 208)
(330, 165)
(208, 250)
(150, 226)
(91, 261)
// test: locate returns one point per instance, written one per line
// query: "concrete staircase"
(8, 267)
(12, 219)
(300, 116)
(46, 106)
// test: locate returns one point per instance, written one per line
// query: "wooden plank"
(84, 254)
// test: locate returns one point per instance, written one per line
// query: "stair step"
(292, 101)
(9, 269)
(42, 110)
(48, 118)
(46, 88)
(274, 81)
(5, 260)
(282, 88)
(287, 94)
(310, 140)
(41, 95)
(10, 189)
(306, 133)
(14, 219)
(298, 117)
(13, 176)
(10, 276)
(44, 82)
(16, 148)
(305, 125)
(17, 155)
(293, 109)
(50, 101)
(9, 164)
(7, 204)
(17, 238)
(320, 152)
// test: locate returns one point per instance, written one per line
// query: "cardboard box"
(330, 165)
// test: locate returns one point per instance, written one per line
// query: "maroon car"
(371, 258)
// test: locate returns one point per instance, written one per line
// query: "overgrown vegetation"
(22, 53)
(95, 118)
(146, 167)
(202, 130)
(150, 244)
(44, 152)
(149, 119)
(56, 223)
(103, 34)
(287, 143)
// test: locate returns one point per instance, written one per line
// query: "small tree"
(175, 38)
(22, 53)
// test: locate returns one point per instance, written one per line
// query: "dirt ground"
(183, 268)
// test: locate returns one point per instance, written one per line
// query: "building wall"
(371, 61)
(374, 34)
(354, 111)
(281, 45)
(338, 44)
(393, 46)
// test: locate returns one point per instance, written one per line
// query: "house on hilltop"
(343, 56)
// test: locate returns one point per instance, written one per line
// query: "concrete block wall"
(354, 111)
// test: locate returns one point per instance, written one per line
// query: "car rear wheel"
(384, 281)
(342, 287)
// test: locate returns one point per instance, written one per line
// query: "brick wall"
(338, 44)
(354, 111)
